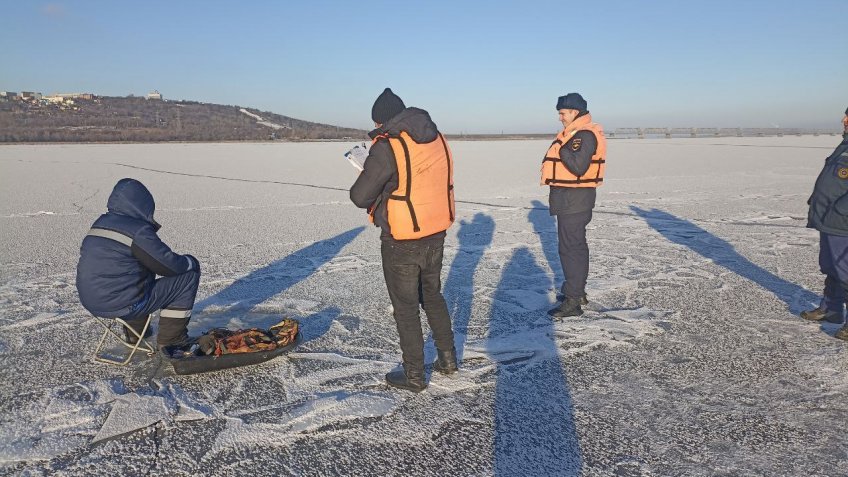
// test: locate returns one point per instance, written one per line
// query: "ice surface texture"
(689, 359)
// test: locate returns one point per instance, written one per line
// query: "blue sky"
(478, 67)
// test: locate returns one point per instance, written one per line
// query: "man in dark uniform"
(829, 215)
(412, 263)
(573, 168)
(120, 258)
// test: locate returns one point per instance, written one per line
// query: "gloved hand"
(194, 264)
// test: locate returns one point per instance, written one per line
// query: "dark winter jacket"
(121, 255)
(380, 175)
(829, 201)
(571, 200)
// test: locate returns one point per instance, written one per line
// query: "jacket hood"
(131, 198)
(416, 122)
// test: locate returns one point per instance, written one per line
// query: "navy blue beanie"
(387, 106)
(572, 101)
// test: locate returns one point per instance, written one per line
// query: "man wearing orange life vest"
(573, 167)
(407, 187)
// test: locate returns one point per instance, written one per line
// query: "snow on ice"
(690, 359)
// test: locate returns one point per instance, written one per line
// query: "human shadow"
(535, 433)
(545, 226)
(474, 238)
(318, 324)
(721, 252)
(243, 295)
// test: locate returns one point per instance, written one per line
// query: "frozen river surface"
(690, 361)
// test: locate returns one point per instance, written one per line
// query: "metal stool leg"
(141, 343)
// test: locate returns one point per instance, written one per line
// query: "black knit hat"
(387, 106)
(572, 101)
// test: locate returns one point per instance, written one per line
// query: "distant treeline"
(132, 119)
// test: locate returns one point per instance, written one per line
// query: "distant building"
(154, 95)
(69, 96)
(9, 95)
(30, 96)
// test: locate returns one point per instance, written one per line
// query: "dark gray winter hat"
(387, 106)
(572, 101)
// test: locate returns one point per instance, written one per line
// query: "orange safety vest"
(554, 172)
(423, 202)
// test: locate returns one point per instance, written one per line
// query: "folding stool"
(107, 324)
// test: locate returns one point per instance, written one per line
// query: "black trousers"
(412, 269)
(174, 296)
(574, 252)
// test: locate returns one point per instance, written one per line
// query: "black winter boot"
(173, 332)
(570, 307)
(584, 300)
(137, 325)
(446, 362)
(842, 333)
(410, 380)
(821, 314)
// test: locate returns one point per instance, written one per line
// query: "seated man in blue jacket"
(120, 259)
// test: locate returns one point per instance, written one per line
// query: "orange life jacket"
(554, 172)
(423, 202)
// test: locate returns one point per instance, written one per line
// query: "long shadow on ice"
(545, 226)
(683, 232)
(240, 297)
(316, 325)
(534, 418)
(474, 238)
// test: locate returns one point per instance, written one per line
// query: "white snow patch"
(131, 413)
(521, 301)
(41, 319)
(316, 412)
(57, 423)
(612, 328)
(262, 121)
(30, 214)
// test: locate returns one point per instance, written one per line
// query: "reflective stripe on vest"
(423, 203)
(554, 172)
(111, 235)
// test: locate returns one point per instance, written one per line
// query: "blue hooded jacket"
(829, 201)
(121, 255)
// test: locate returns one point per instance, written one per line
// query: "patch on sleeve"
(842, 173)
(576, 143)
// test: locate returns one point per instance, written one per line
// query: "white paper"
(357, 156)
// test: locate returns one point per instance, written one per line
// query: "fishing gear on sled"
(221, 348)
(220, 341)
